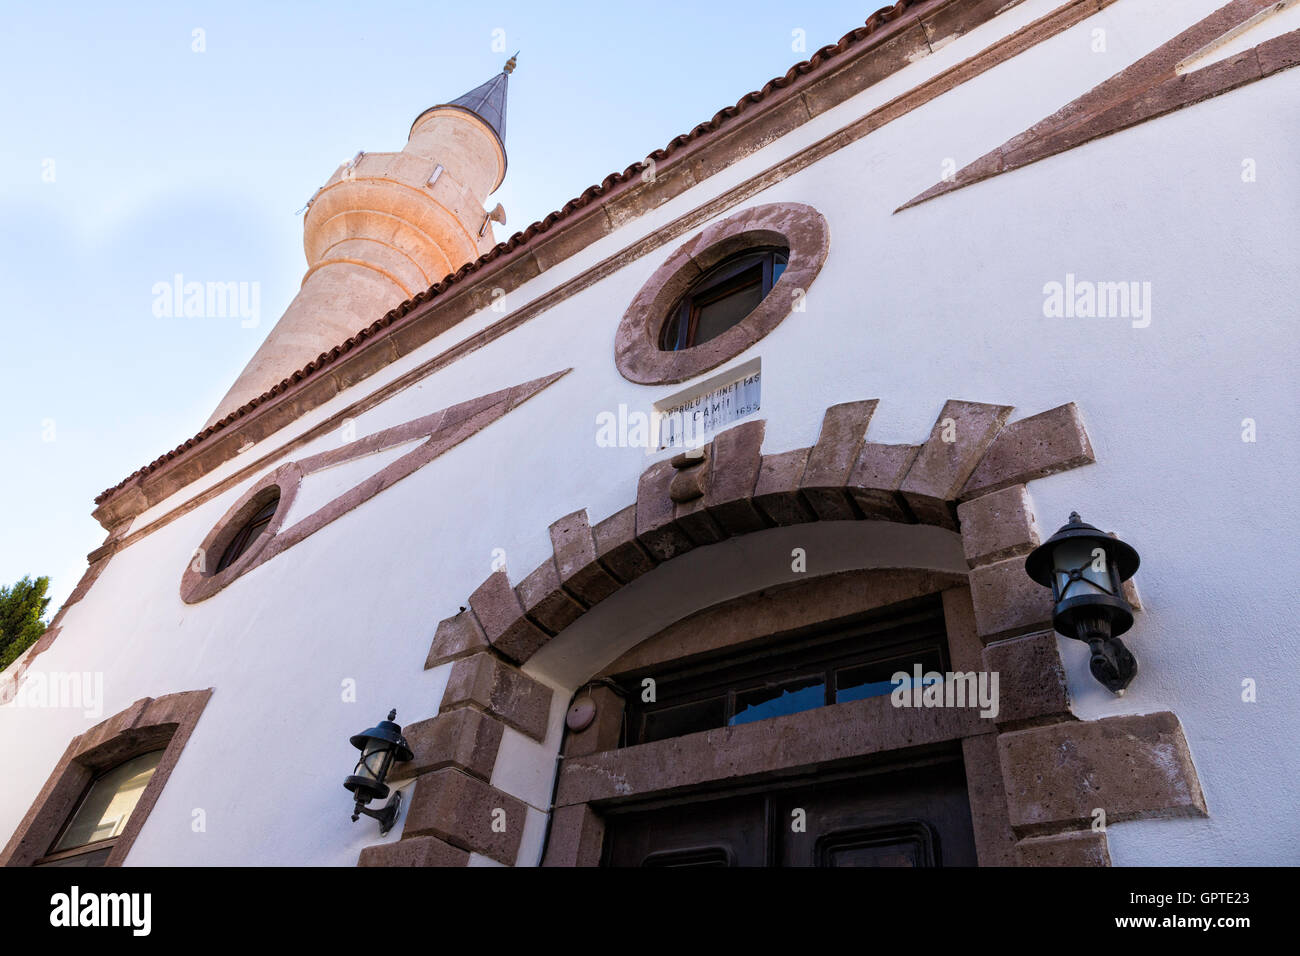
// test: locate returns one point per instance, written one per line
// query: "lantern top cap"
(389, 733)
(1040, 563)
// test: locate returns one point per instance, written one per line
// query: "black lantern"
(380, 746)
(1086, 570)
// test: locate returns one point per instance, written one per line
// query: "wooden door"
(914, 816)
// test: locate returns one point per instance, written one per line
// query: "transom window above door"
(832, 665)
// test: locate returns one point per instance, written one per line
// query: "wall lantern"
(1086, 569)
(380, 746)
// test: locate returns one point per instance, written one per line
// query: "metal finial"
(1074, 518)
(392, 714)
(511, 63)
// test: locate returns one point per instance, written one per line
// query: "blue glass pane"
(873, 680)
(862, 691)
(789, 698)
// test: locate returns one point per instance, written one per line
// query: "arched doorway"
(718, 532)
(762, 731)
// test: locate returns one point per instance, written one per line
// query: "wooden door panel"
(913, 817)
(725, 832)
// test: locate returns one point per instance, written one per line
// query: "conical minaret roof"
(487, 101)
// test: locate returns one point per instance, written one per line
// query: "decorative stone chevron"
(443, 430)
(1150, 88)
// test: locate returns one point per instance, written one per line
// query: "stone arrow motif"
(1153, 86)
(442, 430)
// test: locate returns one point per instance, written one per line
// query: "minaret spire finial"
(511, 63)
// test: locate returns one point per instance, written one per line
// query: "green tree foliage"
(22, 609)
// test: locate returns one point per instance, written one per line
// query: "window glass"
(722, 297)
(108, 803)
(873, 679)
(684, 719)
(842, 661)
(248, 533)
(789, 698)
(715, 317)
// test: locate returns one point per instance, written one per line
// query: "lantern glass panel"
(1080, 554)
(373, 760)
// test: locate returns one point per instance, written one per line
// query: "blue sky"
(127, 157)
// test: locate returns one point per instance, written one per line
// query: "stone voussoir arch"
(969, 476)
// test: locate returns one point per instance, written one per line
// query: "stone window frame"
(794, 226)
(149, 724)
(200, 583)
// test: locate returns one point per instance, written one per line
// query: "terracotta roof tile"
(592, 193)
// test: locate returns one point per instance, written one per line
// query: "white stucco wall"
(941, 301)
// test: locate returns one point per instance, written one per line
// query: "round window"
(722, 298)
(720, 292)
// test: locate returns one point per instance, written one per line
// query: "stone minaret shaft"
(385, 227)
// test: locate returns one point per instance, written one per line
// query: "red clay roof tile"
(590, 194)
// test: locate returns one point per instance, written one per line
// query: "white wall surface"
(941, 301)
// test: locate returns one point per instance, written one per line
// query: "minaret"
(385, 227)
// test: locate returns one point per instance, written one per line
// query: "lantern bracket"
(1112, 664)
(386, 816)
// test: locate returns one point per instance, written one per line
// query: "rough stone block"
(462, 810)
(501, 615)
(1034, 447)
(998, 526)
(1076, 848)
(457, 636)
(876, 476)
(414, 851)
(1131, 767)
(575, 559)
(617, 548)
(656, 529)
(995, 841)
(736, 456)
(1279, 53)
(545, 601)
(1031, 677)
(577, 837)
(1007, 601)
(687, 490)
(463, 738)
(959, 439)
(502, 691)
(776, 493)
(832, 459)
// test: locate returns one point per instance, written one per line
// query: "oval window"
(720, 292)
(722, 297)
